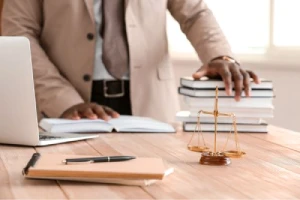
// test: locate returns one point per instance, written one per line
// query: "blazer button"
(90, 36)
(86, 77)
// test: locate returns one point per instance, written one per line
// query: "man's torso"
(69, 38)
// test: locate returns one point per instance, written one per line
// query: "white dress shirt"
(100, 72)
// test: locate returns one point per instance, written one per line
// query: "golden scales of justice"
(216, 157)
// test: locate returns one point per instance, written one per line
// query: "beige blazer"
(63, 49)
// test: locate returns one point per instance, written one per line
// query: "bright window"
(245, 29)
(252, 27)
(286, 23)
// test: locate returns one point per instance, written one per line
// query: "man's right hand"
(90, 111)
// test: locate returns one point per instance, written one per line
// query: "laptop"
(18, 116)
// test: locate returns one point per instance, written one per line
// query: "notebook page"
(69, 121)
(139, 124)
(75, 126)
(132, 182)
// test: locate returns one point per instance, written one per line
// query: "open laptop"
(18, 117)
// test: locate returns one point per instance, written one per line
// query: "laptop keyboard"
(48, 137)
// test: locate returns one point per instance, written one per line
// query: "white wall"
(286, 84)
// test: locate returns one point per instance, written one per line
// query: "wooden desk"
(271, 169)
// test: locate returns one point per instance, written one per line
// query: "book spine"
(35, 157)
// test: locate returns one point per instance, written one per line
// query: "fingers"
(67, 116)
(226, 76)
(104, 112)
(70, 114)
(75, 115)
(254, 77)
(88, 113)
(238, 81)
(200, 73)
(100, 112)
(111, 112)
(246, 82)
(230, 72)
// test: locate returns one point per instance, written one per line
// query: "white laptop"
(18, 117)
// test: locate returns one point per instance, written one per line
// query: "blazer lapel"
(90, 7)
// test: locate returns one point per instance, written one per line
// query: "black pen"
(98, 159)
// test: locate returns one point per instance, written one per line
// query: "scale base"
(211, 158)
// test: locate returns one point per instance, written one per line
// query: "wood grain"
(261, 168)
(12, 183)
(270, 169)
(183, 184)
(281, 136)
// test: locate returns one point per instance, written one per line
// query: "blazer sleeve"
(54, 94)
(198, 23)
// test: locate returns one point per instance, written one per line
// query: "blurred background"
(265, 37)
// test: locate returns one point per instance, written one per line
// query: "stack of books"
(250, 112)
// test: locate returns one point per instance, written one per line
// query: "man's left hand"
(229, 72)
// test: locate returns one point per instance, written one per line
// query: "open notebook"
(139, 171)
(121, 124)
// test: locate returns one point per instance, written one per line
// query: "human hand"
(229, 72)
(90, 111)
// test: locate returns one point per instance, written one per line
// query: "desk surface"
(271, 168)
